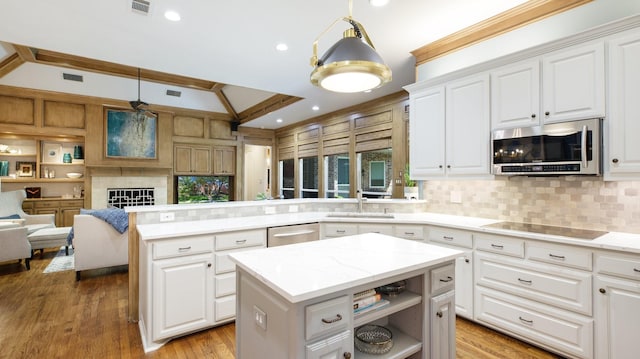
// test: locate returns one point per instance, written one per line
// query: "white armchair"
(12, 205)
(14, 244)
(96, 244)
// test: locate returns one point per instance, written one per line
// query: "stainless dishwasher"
(297, 233)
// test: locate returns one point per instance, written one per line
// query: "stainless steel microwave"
(566, 148)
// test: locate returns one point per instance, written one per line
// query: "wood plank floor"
(53, 316)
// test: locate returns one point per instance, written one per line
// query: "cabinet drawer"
(328, 316)
(241, 239)
(560, 255)
(376, 228)
(46, 204)
(409, 232)
(443, 278)
(500, 244)
(568, 332)
(618, 265)
(451, 236)
(225, 308)
(75, 203)
(562, 287)
(225, 284)
(340, 229)
(223, 263)
(182, 247)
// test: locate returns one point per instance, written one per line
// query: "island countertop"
(307, 270)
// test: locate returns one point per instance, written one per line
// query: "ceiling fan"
(140, 106)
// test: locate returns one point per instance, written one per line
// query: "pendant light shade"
(351, 64)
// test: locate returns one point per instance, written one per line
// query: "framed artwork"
(26, 170)
(131, 134)
(51, 152)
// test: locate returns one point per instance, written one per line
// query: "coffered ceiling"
(221, 56)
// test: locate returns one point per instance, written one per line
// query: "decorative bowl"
(74, 175)
(4, 148)
(373, 339)
(392, 289)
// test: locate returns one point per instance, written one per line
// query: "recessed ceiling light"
(279, 120)
(378, 2)
(315, 108)
(282, 47)
(172, 15)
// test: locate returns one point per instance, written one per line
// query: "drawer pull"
(553, 256)
(340, 231)
(447, 238)
(524, 281)
(184, 249)
(333, 320)
(241, 241)
(449, 279)
(636, 270)
(466, 260)
(409, 233)
(497, 246)
(530, 322)
(439, 314)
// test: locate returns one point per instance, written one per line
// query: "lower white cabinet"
(617, 303)
(443, 326)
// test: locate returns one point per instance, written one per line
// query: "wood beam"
(271, 104)
(506, 21)
(26, 53)
(227, 105)
(10, 63)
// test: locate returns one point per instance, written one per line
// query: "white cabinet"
(573, 85)
(443, 326)
(449, 129)
(617, 303)
(623, 157)
(515, 95)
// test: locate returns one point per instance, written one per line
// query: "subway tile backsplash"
(579, 202)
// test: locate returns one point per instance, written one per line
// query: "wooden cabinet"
(515, 95)
(191, 159)
(617, 303)
(449, 129)
(573, 85)
(63, 209)
(623, 157)
(224, 161)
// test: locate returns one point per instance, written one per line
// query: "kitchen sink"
(359, 215)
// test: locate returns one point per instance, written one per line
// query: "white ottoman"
(50, 237)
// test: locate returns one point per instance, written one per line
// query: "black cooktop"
(550, 230)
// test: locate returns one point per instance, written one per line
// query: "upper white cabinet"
(573, 84)
(623, 158)
(449, 130)
(515, 95)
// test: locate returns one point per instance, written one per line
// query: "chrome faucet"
(360, 200)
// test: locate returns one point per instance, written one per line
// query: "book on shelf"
(365, 301)
(377, 305)
(363, 294)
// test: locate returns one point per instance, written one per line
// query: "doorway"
(257, 172)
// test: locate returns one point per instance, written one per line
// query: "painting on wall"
(131, 134)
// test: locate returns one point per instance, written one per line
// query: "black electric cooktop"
(576, 233)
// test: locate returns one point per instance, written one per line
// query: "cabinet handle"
(241, 241)
(546, 113)
(346, 355)
(497, 246)
(182, 249)
(602, 290)
(447, 238)
(208, 265)
(615, 160)
(440, 166)
(636, 270)
(333, 320)
(524, 281)
(525, 320)
(340, 231)
(533, 115)
(409, 233)
(439, 314)
(466, 260)
(449, 279)
(448, 166)
(553, 256)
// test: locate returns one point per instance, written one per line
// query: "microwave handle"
(583, 146)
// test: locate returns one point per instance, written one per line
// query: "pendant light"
(351, 64)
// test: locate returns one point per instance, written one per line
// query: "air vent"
(72, 77)
(140, 6)
(174, 93)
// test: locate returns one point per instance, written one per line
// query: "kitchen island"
(296, 301)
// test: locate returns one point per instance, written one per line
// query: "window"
(309, 177)
(336, 171)
(375, 176)
(287, 181)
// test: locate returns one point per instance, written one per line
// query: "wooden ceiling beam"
(26, 53)
(10, 63)
(271, 104)
(521, 15)
(227, 105)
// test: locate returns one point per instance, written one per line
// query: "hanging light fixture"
(351, 64)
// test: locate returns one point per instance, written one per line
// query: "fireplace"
(122, 197)
(121, 191)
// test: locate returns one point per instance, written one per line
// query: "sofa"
(97, 244)
(14, 244)
(11, 211)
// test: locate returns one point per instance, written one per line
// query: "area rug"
(61, 262)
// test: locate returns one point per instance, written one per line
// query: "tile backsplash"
(579, 202)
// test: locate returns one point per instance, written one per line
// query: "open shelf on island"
(397, 303)
(403, 347)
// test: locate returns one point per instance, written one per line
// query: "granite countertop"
(311, 269)
(627, 242)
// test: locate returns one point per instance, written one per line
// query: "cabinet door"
(426, 133)
(191, 159)
(201, 160)
(224, 162)
(617, 317)
(515, 95)
(182, 159)
(336, 347)
(182, 295)
(464, 285)
(573, 84)
(624, 120)
(66, 215)
(443, 326)
(467, 126)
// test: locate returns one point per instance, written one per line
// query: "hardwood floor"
(53, 316)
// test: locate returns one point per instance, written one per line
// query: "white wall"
(570, 22)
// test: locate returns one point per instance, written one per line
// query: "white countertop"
(308, 270)
(627, 242)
